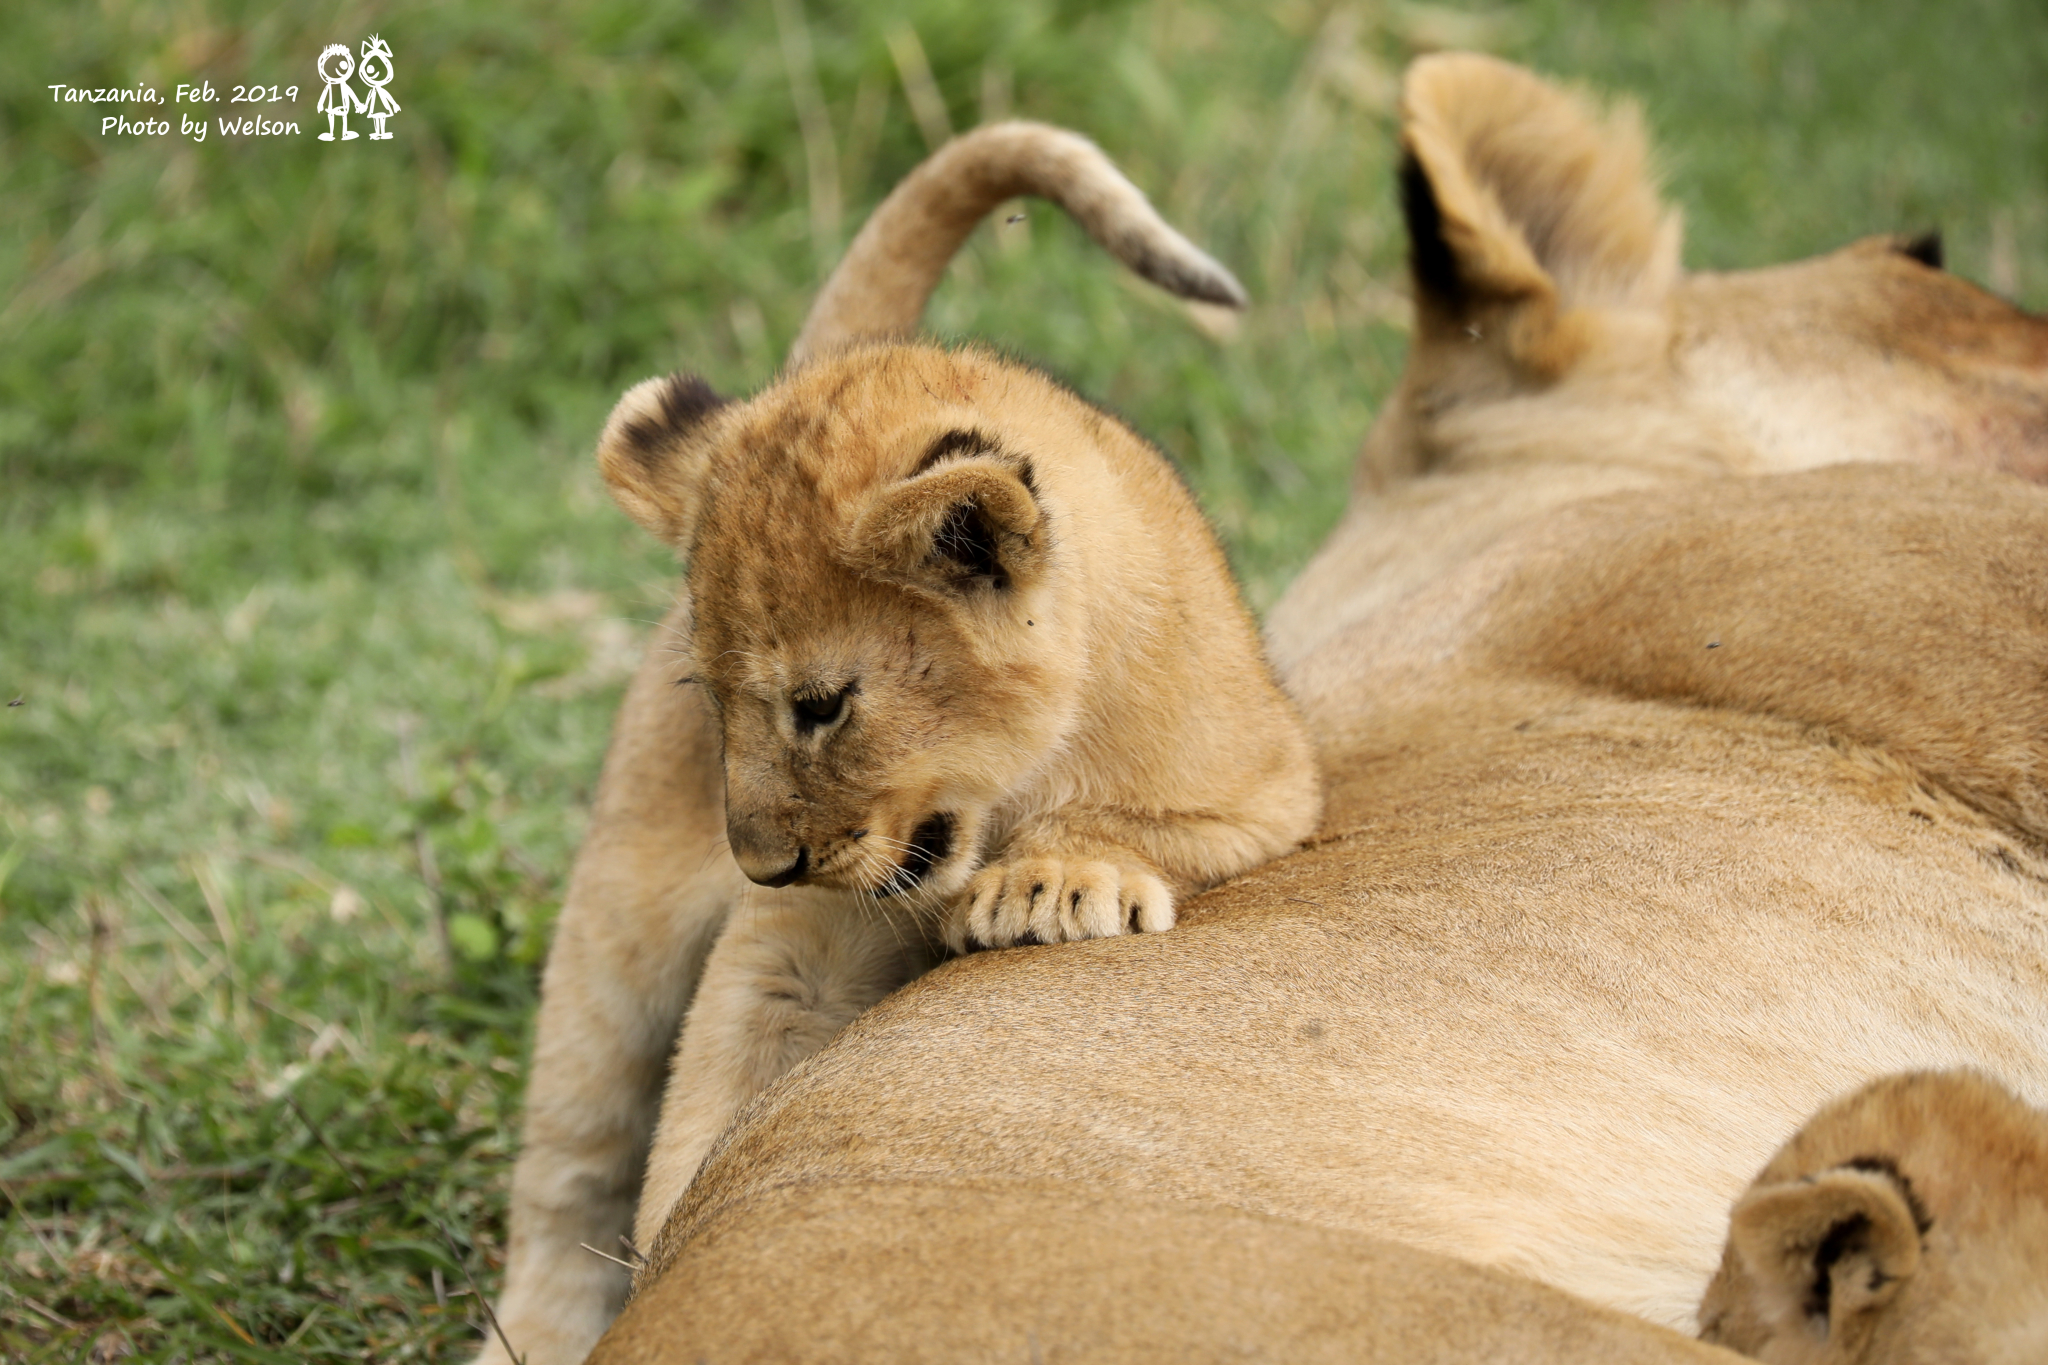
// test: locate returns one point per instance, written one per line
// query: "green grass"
(317, 612)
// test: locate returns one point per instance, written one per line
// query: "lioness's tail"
(881, 286)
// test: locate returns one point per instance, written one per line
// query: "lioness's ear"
(1826, 1254)
(965, 527)
(1519, 193)
(653, 452)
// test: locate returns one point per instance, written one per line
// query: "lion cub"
(1905, 1222)
(967, 669)
(980, 669)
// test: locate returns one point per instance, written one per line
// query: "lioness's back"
(1546, 932)
(1044, 1271)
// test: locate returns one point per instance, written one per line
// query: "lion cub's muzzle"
(769, 857)
(930, 844)
(791, 873)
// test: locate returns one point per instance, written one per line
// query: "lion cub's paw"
(1049, 900)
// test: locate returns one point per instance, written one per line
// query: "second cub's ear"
(655, 449)
(974, 526)
(1826, 1254)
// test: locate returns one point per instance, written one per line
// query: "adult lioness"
(1905, 1223)
(1673, 790)
(972, 669)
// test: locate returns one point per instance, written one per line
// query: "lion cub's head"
(887, 616)
(1906, 1222)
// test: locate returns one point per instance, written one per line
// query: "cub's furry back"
(963, 666)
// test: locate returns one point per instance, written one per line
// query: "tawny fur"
(1677, 784)
(1027, 628)
(1031, 1269)
(1905, 1223)
(1569, 357)
(880, 289)
(934, 586)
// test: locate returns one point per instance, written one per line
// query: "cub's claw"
(1047, 900)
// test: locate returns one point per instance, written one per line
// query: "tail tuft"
(888, 274)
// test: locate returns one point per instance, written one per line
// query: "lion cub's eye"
(815, 709)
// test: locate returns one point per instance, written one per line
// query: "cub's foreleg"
(651, 888)
(1093, 873)
(792, 968)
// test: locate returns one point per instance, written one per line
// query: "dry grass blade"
(354, 1176)
(821, 152)
(462, 1264)
(927, 105)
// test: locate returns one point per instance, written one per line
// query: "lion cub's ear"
(1826, 1254)
(654, 451)
(966, 527)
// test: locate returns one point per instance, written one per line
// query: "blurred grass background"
(317, 613)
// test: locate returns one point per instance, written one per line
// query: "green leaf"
(475, 937)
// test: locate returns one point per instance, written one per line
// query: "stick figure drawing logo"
(377, 102)
(339, 99)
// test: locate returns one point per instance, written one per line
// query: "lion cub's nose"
(766, 875)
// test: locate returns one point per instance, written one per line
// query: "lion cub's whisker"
(606, 1255)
